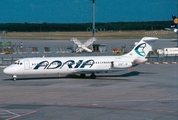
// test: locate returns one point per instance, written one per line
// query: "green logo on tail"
(140, 49)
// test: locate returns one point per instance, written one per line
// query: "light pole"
(93, 17)
(4, 33)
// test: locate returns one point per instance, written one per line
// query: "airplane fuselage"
(67, 65)
(82, 64)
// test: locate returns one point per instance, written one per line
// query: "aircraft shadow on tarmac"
(130, 74)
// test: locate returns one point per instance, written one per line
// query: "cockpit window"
(18, 63)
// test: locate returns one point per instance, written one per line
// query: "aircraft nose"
(8, 70)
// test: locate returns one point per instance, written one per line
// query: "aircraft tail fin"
(174, 17)
(175, 21)
(142, 48)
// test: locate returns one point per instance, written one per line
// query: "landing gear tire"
(93, 76)
(82, 76)
(14, 77)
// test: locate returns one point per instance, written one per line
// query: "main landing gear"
(93, 76)
(82, 76)
(14, 77)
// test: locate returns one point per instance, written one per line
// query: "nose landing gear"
(14, 77)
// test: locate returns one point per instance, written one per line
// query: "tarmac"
(145, 92)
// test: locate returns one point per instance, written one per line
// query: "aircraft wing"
(89, 42)
(86, 49)
(79, 49)
(77, 42)
(171, 29)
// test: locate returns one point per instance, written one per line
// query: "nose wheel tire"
(14, 77)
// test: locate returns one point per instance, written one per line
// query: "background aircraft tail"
(175, 21)
(174, 17)
(141, 50)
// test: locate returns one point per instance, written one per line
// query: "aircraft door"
(26, 65)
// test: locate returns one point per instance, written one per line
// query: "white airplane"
(83, 46)
(174, 25)
(82, 64)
